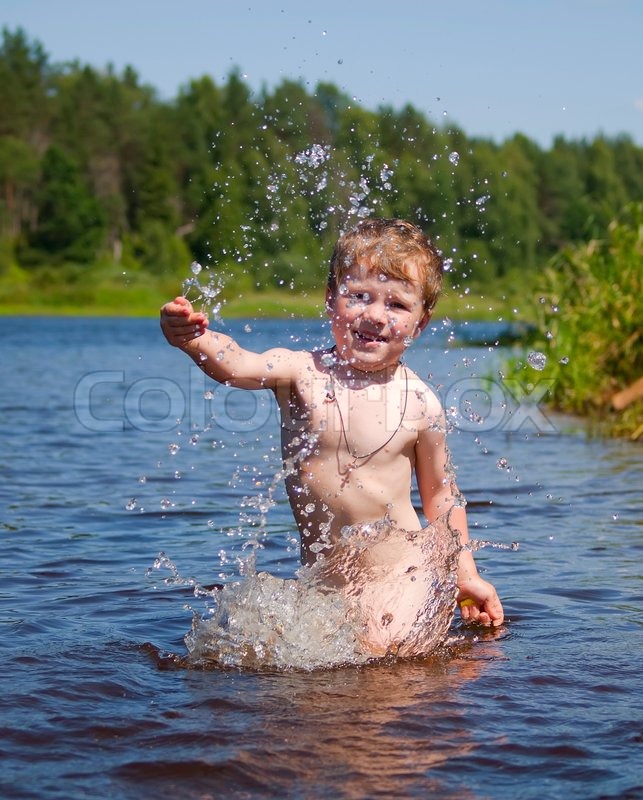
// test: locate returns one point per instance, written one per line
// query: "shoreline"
(270, 305)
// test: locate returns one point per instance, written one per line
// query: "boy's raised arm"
(218, 355)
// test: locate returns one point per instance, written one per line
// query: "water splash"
(381, 592)
(203, 289)
(324, 184)
(314, 156)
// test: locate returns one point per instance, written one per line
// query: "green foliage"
(94, 167)
(156, 250)
(70, 220)
(589, 317)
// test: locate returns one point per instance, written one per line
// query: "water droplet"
(564, 360)
(195, 267)
(454, 158)
(173, 448)
(314, 156)
(310, 507)
(131, 504)
(165, 503)
(615, 515)
(340, 60)
(537, 360)
(502, 463)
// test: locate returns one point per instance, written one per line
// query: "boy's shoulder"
(300, 362)
(431, 404)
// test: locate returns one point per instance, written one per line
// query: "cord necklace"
(331, 397)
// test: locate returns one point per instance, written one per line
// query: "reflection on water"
(379, 731)
(548, 706)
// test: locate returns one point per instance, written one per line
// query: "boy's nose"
(376, 313)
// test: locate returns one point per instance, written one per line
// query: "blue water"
(93, 701)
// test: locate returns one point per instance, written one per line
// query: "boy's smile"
(375, 318)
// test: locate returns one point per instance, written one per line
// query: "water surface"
(98, 479)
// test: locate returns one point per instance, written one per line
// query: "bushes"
(589, 317)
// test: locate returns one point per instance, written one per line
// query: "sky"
(492, 67)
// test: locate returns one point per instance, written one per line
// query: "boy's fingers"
(495, 611)
(491, 612)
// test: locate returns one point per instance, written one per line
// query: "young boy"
(356, 421)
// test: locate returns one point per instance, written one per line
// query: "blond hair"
(392, 247)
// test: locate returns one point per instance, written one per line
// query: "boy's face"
(375, 318)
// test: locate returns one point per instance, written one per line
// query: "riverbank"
(135, 300)
(588, 318)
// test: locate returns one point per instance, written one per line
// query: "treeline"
(95, 169)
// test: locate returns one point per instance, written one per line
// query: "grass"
(106, 291)
(589, 321)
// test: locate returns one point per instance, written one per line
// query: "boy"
(356, 422)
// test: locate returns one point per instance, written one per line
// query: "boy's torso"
(349, 447)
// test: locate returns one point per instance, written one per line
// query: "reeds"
(589, 313)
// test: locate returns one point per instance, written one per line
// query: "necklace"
(331, 397)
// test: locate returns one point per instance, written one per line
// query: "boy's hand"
(479, 602)
(180, 323)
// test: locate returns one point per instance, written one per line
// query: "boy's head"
(393, 248)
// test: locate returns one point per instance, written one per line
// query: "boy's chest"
(359, 418)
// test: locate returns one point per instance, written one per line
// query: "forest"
(103, 185)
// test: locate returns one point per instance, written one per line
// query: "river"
(114, 450)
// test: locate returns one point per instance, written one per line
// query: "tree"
(19, 169)
(26, 83)
(70, 225)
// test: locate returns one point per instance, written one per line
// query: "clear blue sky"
(493, 67)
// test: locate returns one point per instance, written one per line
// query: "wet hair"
(389, 247)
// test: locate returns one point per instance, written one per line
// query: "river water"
(113, 453)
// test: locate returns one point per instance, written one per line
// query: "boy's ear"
(426, 318)
(330, 301)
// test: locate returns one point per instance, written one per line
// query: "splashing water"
(202, 291)
(313, 157)
(334, 195)
(382, 592)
